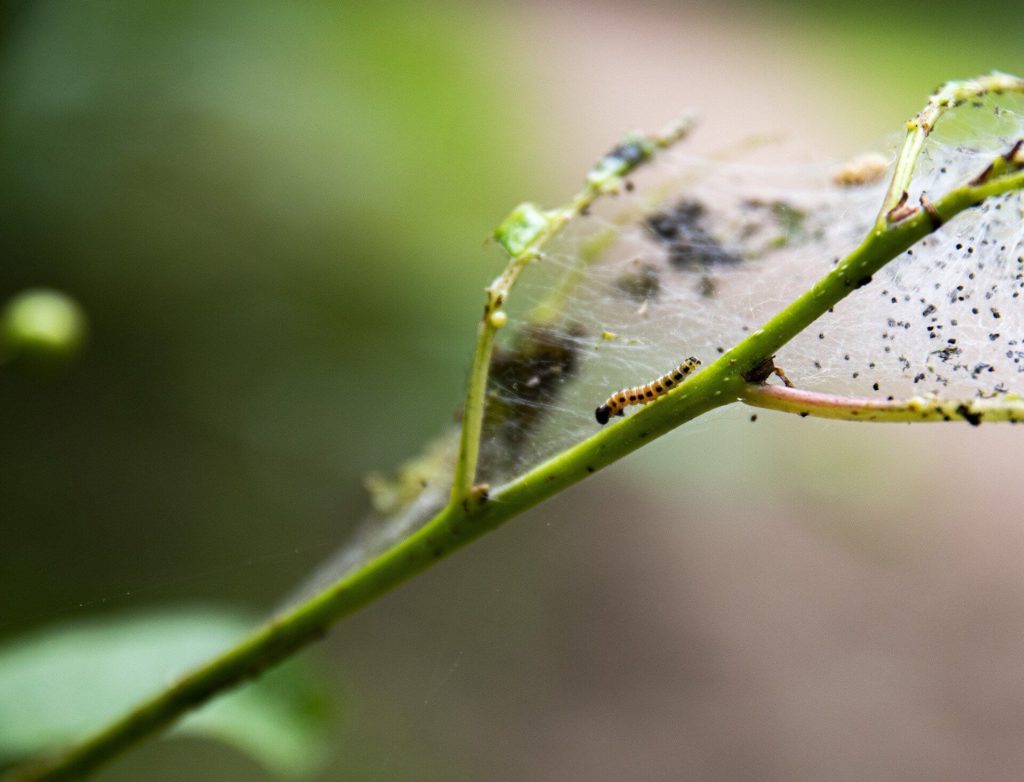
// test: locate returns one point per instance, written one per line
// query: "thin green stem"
(949, 95)
(472, 416)
(917, 409)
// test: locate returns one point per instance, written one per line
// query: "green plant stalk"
(949, 95)
(916, 409)
(473, 413)
(720, 383)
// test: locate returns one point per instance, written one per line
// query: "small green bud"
(42, 324)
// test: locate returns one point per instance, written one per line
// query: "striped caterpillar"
(641, 395)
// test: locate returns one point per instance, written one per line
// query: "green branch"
(917, 409)
(723, 382)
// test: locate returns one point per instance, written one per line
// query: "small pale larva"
(641, 395)
(863, 170)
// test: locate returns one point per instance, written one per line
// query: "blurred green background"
(273, 215)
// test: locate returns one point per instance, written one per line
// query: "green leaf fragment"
(62, 683)
(524, 226)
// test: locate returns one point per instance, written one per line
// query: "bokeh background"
(273, 214)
